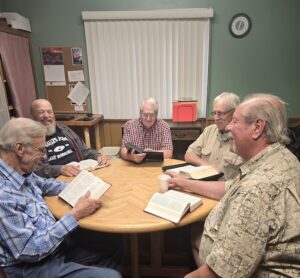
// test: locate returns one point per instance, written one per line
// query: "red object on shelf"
(184, 111)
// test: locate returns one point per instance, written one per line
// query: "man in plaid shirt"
(147, 132)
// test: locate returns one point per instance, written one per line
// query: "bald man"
(254, 229)
(63, 145)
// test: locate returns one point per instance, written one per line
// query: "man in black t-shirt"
(63, 145)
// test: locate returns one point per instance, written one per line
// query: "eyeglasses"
(41, 150)
(150, 115)
(220, 114)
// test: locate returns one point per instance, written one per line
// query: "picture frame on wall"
(76, 53)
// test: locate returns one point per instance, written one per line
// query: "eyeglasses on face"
(41, 150)
(148, 115)
(219, 113)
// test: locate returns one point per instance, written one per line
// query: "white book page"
(87, 164)
(166, 207)
(189, 168)
(81, 184)
(194, 201)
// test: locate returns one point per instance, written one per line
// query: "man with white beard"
(63, 145)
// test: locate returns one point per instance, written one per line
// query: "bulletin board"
(63, 67)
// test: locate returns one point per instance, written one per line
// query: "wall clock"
(240, 25)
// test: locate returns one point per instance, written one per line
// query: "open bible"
(81, 184)
(87, 164)
(206, 172)
(172, 205)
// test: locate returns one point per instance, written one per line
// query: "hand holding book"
(150, 155)
(85, 206)
(81, 184)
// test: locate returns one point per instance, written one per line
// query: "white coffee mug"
(164, 182)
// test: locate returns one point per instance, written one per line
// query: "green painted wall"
(267, 60)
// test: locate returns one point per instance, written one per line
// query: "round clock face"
(240, 25)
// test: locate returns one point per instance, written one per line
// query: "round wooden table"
(123, 204)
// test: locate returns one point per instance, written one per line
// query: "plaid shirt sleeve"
(28, 230)
(30, 235)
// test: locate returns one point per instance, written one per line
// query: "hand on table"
(103, 160)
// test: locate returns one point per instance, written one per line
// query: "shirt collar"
(250, 165)
(223, 137)
(16, 179)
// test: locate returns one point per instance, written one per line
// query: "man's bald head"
(42, 111)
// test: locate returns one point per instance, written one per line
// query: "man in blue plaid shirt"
(32, 242)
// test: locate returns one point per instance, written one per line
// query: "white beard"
(51, 128)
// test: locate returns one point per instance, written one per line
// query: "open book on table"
(87, 164)
(172, 205)
(151, 155)
(81, 184)
(205, 172)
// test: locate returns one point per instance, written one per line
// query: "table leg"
(97, 137)
(87, 139)
(134, 248)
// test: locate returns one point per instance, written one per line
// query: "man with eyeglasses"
(212, 146)
(147, 132)
(32, 243)
(63, 145)
(254, 230)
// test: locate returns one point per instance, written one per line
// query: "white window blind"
(137, 54)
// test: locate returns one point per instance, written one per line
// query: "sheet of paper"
(75, 75)
(54, 73)
(78, 108)
(79, 93)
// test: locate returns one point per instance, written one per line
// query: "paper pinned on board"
(75, 75)
(79, 93)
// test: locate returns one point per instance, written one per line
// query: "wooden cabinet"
(183, 134)
(16, 70)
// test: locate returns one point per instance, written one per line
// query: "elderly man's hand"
(85, 206)
(137, 158)
(177, 181)
(103, 160)
(69, 170)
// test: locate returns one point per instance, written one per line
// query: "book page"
(81, 184)
(87, 164)
(190, 168)
(203, 172)
(168, 208)
(194, 201)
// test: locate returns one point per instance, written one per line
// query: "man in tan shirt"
(212, 148)
(254, 230)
